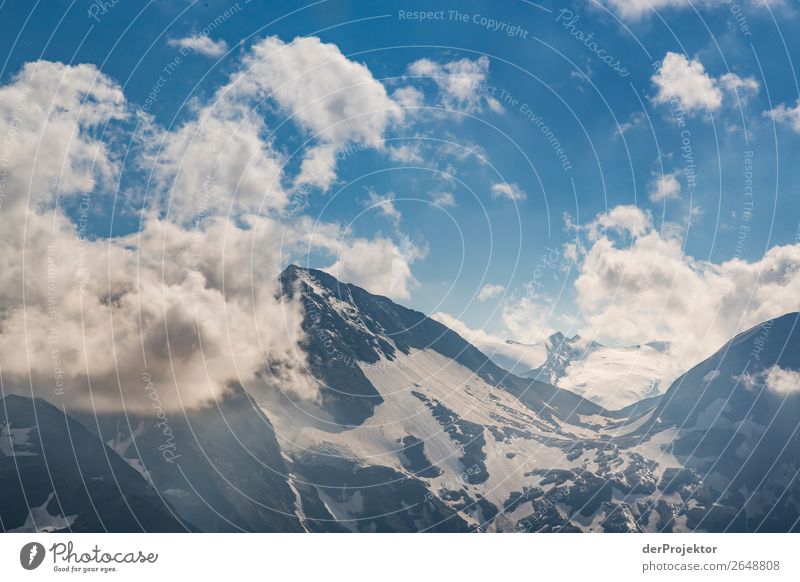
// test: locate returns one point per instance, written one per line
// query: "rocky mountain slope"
(414, 429)
(57, 476)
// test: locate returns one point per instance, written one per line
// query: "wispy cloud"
(508, 190)
(201, 44)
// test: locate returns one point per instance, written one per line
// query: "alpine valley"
(415, 429)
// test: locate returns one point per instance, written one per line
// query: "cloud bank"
(189, 301)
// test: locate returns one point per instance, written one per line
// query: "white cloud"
(216, 164)
(336, 100)
(186, 294)
(201, 44)
(379, 266)
(736, 84)
(407, 153)
(461, 83)
(647, 288)
(635, 284)
(665, 187)
(782, 382)
(507, 190)
(679, 79)
(318, 167)
(787, 115)
(93, 310)
(527, 319)
(687, 83)
(484, 341)
(443, 199)
(408, 97)
(515, 357)
(489, 291)
(638, 9)
(623, 219)
(222, 161)
(384, 205)
(49, 114)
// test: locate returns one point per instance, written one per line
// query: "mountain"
(613, 377)
(405, 426)
(407, 399)
(57, 476)
(734, 425)
(501, 452)
(220, 466)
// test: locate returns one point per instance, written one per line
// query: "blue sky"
(467, 182)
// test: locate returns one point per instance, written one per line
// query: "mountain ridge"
(416, 429)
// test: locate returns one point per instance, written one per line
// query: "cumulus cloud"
(788, 115)
(686, 83)
(84, 321)
(527, 319)
(461, 83)
(636, 9)
(636, 120)
(380, 266)
(507, 190)
(222, 161)
(182, 303)
(514, 357)
(489, 291)
(665, 187)
(128, 320)
(783, 381)
(218, 164)
(201, 44)
(478, 337)
(624, 219)
(636, 284)
(336, 100)
(642, 286)
(47, 115)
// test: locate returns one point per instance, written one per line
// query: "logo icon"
(31, 555)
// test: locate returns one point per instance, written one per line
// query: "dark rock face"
(375, 498)
(467, 435)
(228, 474)
(57, 476)
(414, 459)
(336, 340)
(619, 519)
